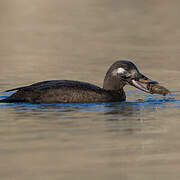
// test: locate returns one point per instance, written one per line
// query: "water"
(79, 40)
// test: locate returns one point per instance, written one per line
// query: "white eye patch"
(121, 70)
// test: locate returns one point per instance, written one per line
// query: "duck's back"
(63, 91)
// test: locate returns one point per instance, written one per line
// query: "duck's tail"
(6, 100)
(3, 101)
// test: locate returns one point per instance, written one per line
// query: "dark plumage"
(67, 91)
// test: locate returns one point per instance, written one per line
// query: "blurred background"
(61, 39)
(79, 40)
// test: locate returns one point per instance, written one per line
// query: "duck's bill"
(142, 83)
(147, 85)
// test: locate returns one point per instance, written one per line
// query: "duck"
(119, 74)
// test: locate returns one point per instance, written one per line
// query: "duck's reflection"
(135, 110)
(138, 116)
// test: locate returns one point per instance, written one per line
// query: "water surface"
(79, 40)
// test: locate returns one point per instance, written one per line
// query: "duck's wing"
(34, 86)
(57, 91)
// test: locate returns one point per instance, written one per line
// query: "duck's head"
(125, 72)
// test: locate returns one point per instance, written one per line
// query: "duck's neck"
(113, 84)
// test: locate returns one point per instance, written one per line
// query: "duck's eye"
(122, 72)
